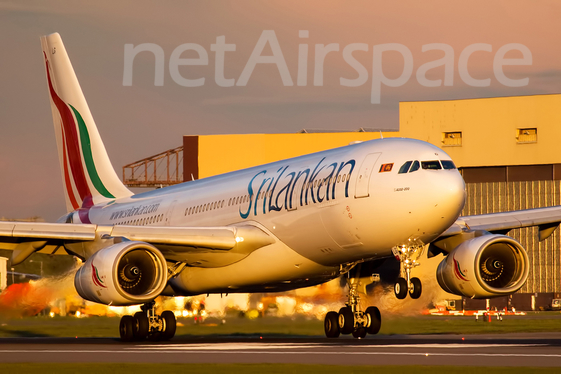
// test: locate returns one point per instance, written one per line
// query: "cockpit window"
(411, 166)
(448, 164)
(431, 165)
(405, 167)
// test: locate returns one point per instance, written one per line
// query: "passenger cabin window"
(448, 164)
(414, 167)
(431, 165)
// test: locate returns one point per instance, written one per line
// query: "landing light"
(239, 239)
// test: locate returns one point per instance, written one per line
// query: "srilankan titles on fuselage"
(424, 201)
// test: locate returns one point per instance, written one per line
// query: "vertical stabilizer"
(88, 176)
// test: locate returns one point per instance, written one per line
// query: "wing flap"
(207, 237)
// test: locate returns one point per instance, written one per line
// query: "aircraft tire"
(331, 325)
(346, 320)
(359, 333)
(141, 324)
(417, 289)
(400, 288)
(170, 325)
(126, 328)
(375, 320)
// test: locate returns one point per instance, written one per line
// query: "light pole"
(41, 262)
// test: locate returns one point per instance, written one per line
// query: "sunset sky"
(142, 119)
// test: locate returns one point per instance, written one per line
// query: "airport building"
(505, 148)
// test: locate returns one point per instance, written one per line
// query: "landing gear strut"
(147, 324)
(408, 256)
(351, 319)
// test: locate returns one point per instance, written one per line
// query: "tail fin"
(88, 176)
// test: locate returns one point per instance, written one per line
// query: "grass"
(271, 326)
(259, 369)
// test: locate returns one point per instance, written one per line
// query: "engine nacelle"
(126, 273)
(485, 266)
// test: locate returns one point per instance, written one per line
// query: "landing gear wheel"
(169, 325)
(331, 325)
(375, 319)
(141, 326)
(359, 332)
(400, 288)
(126, 328)
(346, 320)
(416, 288)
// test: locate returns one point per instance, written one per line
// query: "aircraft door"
(364, 173)
(170, 212)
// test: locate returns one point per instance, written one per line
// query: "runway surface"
(535, 349)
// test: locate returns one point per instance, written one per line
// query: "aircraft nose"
(448, 193)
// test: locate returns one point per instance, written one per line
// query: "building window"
(452, 139)
(527, 135)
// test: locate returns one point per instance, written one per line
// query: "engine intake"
(485, 266)
(126, 273)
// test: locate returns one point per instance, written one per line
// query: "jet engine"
(126, 273)
(486, 266)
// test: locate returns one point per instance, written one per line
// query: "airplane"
(275, 227)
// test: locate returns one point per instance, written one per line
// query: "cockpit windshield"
(405, 167)
(411, 166)
(431, 165)
(448, 164)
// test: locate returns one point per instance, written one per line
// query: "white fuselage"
(327, 210)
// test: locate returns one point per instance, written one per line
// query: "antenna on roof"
(381, 135)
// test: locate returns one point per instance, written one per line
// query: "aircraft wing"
(177, 243)
(546, 219)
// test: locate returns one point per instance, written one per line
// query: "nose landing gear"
(351, 319)
(148, 324)
(408, 256)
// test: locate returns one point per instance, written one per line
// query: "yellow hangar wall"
(219, 154)
(492, 130)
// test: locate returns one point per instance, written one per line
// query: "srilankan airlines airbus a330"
(280, 226)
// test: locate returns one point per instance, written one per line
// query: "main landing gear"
(147, 324)
(408, 256)
(351, 319)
